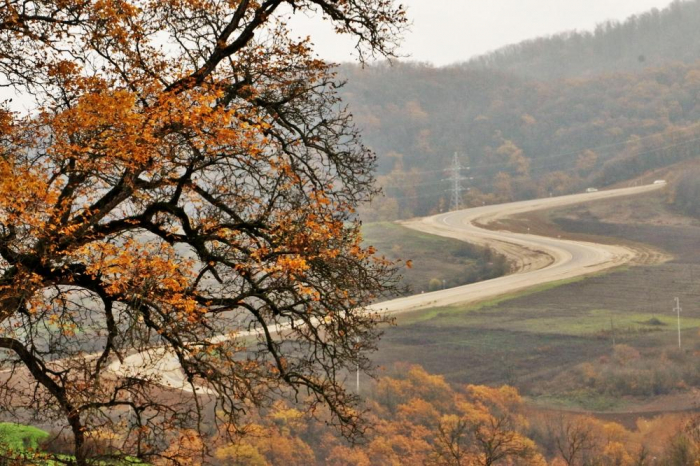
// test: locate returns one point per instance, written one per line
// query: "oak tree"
(177, 238)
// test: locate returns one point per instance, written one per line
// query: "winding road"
(536, 260)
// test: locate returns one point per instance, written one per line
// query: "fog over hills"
(548, 116)
(649, 39)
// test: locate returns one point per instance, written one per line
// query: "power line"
(594, 149)
(421, 196)
(563, 163)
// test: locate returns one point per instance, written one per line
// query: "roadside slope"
(536, 259)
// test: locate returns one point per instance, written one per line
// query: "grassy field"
(555, 342)
(18, 437)
(442, 261)
(529, 339)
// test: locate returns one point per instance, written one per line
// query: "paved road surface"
(537, 259)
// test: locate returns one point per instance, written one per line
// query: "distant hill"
(610, 119)
(642, 41)
(521, 138)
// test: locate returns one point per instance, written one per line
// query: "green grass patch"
(24, 443)
(544, 320)
(513, 313)
(527, 292)
(597, 321)
(19, 438)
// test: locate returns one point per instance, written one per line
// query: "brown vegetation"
(419, 419)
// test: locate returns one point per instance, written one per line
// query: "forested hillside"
(649, 39)
(522, 137)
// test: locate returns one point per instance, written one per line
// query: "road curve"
(537, 260)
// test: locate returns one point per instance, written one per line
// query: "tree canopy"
(186, 171)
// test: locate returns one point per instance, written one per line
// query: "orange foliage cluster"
(416, 418)
(419, 419)
(186, 173)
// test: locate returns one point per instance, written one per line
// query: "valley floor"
(606, 343)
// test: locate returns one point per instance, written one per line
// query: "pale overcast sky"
(448, 31)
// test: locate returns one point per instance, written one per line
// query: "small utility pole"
(612, 330)
(677, 310)
(648, 291)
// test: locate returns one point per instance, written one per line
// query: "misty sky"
(448, 31)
